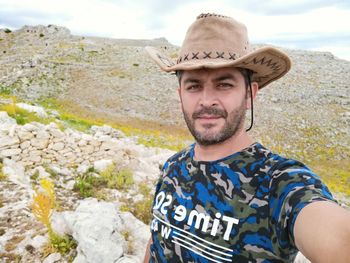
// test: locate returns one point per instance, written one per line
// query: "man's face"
(213, 102)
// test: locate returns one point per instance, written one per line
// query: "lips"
(208, 117)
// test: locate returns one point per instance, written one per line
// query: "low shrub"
(43, 205)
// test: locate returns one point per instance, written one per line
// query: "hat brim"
(267, 63)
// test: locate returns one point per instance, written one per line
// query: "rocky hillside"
(98, 179)
(305, 115)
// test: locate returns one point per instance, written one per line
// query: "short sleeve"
(292, 187)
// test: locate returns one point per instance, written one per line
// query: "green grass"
(310, 147)
(118, 179)
(5, 91)
(62, 243)
(140, 209)
(87, 185)
(91, 185)
(148, 134)
(23, 116)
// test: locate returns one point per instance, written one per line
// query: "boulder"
(101, 165)
(5, 119)
(41, 171)
(7, 141)
(10, 152)
(25, 135)
(15, 173)
(39, 143)
(58, 146)
(94, 225)
(39, 111)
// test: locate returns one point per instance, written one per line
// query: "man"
(227, 198)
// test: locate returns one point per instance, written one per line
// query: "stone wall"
(37, 144)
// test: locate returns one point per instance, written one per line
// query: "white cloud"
(286, 23)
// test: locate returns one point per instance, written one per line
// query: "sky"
(319, 25)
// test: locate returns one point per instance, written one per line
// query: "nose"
(208, 97)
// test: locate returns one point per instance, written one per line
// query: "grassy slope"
(335, 173)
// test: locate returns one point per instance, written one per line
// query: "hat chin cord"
(251, 103)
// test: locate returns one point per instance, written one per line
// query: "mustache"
(209, 111)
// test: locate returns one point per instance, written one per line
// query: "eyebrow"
(227, 76)
(191, 80)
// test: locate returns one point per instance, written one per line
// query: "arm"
(147, 253)
(322, 232)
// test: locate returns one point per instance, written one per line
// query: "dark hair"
(247, 75)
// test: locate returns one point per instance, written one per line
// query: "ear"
(255, 89)
(179, 93)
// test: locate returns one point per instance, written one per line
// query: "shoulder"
(178, 157)
(283, 166)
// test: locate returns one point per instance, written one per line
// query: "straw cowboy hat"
(215, 41)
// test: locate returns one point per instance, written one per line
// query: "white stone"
(16, 158)
(35, 151)
(39, 143)
(70, 185)
(42, 172)
(52, 258)
(25, 145)
(61, 171)
(139, 232)
(61, 160)
(95, 143)
(98, 154)
(110, 145)
(70, 140)
(12, 130)
(35, 158)
(57, 133)
(38, 241)
(94, 226)
(82, 143)
(5, 119)
(64, 151)
(104, 138)
(88, 149)
(128, 259)
(101, 165)
(25, 135)
(83, 168)
(7, 141)
(10, 152)
(39, 111)
(58, 146)
(29, 127)
(56, 139)
(86, 137)
(42, 134)
(15, 172)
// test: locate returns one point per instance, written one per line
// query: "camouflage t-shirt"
(241, 208)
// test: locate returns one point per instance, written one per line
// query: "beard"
(233, 123)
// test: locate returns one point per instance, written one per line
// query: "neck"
(221, 150)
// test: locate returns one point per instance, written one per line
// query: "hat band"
(208, 55)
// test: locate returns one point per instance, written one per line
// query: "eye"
(192, 88)
(225, 85)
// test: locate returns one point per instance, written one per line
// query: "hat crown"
(216, 41)
(215, 36)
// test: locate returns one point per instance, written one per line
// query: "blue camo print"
(241, 208)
